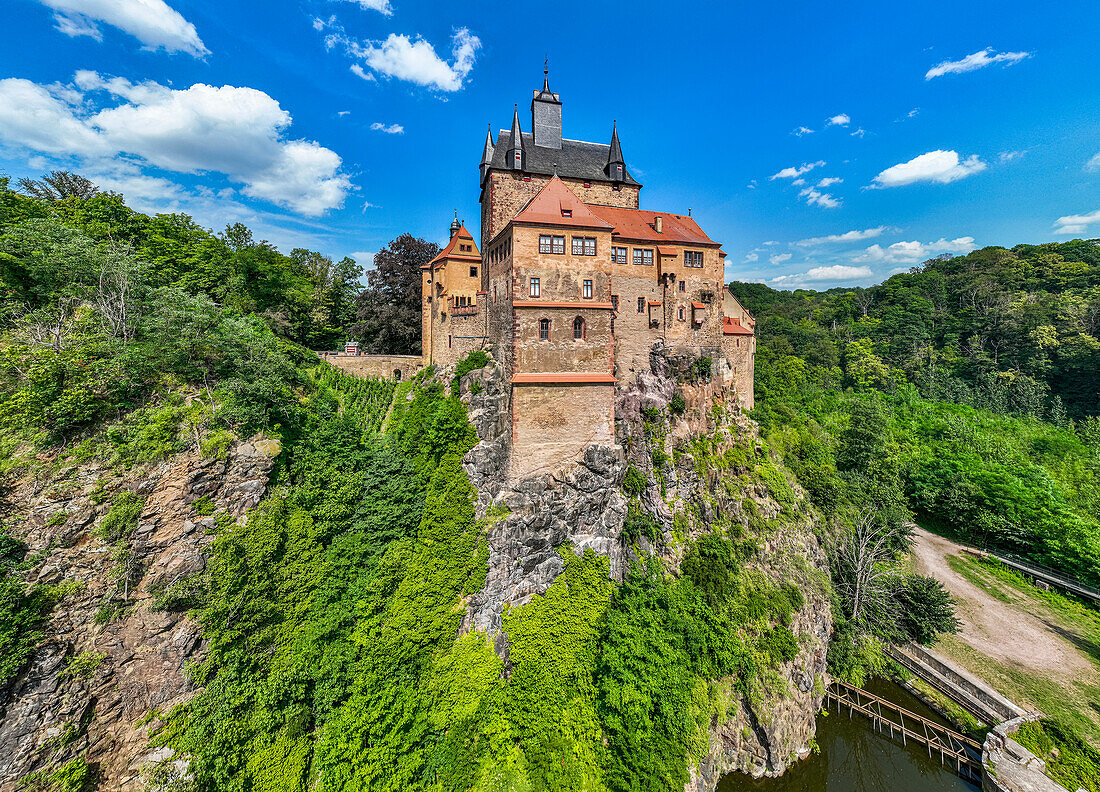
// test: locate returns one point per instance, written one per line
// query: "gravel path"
(1005, 631)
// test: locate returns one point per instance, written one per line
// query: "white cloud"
(834, 272)
(913, 113)
(798, 182)
(829, 180)
(751, 257)
(152, 22)
(381, 6)
(1093, 165)
(847, 236)
(859, 132)
(1008, 156)
(1076, 224)
(779, 258)
(802, 131)
(814, 197)
(391, 129)
(793, 173)
(238, 132)
(359, 71)
(976, 60)
(343, 113)
(913, 252)
(942, 167)
(415, 61)
(839, 120)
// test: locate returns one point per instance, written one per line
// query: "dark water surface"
(855, 758)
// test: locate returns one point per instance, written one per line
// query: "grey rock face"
(531, 519)
(134, 657)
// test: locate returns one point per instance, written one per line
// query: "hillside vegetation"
(975, 382)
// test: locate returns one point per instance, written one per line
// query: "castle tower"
(518, 164)
(452, 318)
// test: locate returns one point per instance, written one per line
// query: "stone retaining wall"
(399, 367)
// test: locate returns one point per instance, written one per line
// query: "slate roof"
(575, 159)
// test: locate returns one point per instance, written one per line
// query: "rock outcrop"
(115, 651)
(685, 496)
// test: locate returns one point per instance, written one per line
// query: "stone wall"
(504, 193)
(553, 425)
(400, 367)
(739, 354)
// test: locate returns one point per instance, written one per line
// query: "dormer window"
(617, 172)
(566, 212)
(517, 159)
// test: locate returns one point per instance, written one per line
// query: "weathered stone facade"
(452, 310)
(581, 285)
(398, 367)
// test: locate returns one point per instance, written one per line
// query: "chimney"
(658, 225)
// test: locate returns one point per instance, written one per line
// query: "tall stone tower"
(517, 164)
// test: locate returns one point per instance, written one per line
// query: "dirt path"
(1003, 631)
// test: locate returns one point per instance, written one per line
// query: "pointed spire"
(616, 167)
(546, 75)
(515, 143)
(455, 225)
(615, 152)
(487, 155)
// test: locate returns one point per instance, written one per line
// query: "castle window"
(614, 302)
(544, 329)
(566, 212)
(588, 184)
(578, 328)
(693, 258)
(517, 159)
(681, 286)
(535, 287)
(681, 313)
(618, 255)
(641, 305)
(584, 246)
(473, 272)
(643, 256)
(587, 290)
(551, 244)
(618, 174)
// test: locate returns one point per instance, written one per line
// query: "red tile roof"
(638, 224)
(551, 204)
(563, 378)
(700, 306)
(733, 326)
(666, 251)
(451, 250)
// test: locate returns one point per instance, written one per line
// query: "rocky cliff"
(117, 644)
(704, 469)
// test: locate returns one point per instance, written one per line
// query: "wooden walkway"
(962, 753)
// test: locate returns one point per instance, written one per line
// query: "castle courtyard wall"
(400, 367)
(552, 425)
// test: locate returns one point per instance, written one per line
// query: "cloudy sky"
(823, 144)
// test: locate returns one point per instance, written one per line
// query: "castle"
(573, 285)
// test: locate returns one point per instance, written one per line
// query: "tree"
(58, 186)
(388, 310)
(864, 441)
(925, 609)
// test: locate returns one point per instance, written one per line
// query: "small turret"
(455, 226)
(487, 155)
(616, 167)
(546, 115)
(514, 157)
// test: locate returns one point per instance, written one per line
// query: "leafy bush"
(475, 360)
(676, 404)
(1070, 760)
(121, 518)
(634, 482)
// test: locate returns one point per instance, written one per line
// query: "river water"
(855, 758)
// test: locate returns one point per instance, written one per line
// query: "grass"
(960, 718)
(1070, 762)
(1067, 703)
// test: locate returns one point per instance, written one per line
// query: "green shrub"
(83, 665)
(121, 518)
(473, 361)
(203, 506)
(676, 404)
(780, 644)
(1071, 761)
(703, 367)
(639, 523)
(634, 482)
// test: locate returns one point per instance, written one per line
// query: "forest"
(330, 617)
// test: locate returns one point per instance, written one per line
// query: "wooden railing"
(963, 753)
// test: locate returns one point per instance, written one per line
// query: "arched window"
(397, 374)
(544, 329)
(578, 328)
(681, 313)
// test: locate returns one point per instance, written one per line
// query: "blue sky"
(822, 143)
